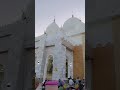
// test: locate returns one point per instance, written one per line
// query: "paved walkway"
(40, 88)
(53, 88)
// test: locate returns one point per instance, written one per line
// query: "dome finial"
(54, 18)
(72, 14)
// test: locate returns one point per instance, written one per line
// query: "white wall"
(39, 54)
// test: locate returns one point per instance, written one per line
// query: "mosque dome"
(73, 26)
(53, 28)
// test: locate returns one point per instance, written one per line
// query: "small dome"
(52, 28)
(73, 26)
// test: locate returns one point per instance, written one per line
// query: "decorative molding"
(67, 44)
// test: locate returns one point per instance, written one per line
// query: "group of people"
(71, 84)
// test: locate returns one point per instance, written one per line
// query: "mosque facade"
(59, 50)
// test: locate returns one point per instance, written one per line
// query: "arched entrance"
(49, 67)
(1, 74)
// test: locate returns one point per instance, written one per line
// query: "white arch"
(46, 64)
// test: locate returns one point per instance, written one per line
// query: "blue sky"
(45, 10)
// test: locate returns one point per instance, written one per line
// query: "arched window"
(50, 67)
(66, 68)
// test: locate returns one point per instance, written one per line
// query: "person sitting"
(60, 88)
(60, 84)
(76, 86)
(71, 83)
(77, 80)
(81, 85)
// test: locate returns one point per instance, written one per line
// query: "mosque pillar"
(78, 62)
(59, 61)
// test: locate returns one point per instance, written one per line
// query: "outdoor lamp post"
(38, 62)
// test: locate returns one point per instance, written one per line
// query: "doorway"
(49, 67)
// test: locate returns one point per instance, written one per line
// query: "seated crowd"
(70, 84)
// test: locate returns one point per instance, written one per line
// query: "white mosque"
(54, 49)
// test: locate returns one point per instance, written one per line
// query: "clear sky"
(45, 10)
